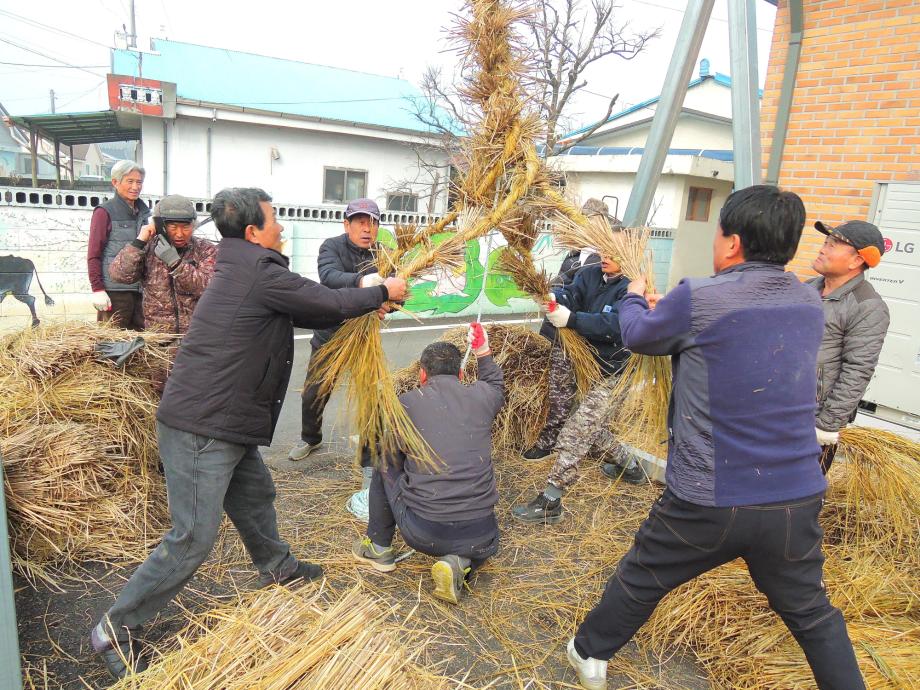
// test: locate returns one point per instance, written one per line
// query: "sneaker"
(358, 505)
(449, 575)
(540, 509)
(536, 453)
(122, 656)
(304, 572)
(302, 450)
(592, 673)
(632, 475)
(383, 560)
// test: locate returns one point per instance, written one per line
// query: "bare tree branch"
(564, 38)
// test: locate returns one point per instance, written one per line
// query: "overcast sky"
(395, 38)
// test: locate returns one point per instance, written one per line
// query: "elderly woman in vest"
(115, 224)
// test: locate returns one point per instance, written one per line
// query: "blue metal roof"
(230, 77)
(715, 154)
(718, 77)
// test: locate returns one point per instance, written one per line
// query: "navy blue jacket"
(340, 264)
(595, 306)
(741, 420)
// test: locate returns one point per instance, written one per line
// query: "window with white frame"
(402, 201)
(341, 185)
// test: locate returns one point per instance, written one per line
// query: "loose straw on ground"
(283, 639)
(79, 447)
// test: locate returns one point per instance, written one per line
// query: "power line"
(27, 64)
(45, 55)
(48, 27)
(680, 11)
(81, 94)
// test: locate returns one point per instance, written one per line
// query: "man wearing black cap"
(345, 261)
(855, 322)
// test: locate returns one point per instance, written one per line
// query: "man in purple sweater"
(743, 479)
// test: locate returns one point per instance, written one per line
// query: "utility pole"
(52, 101)
(132, 37)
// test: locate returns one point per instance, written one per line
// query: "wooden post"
(73, 180)
(33, 148)
(10, 668)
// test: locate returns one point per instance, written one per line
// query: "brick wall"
(856, 110)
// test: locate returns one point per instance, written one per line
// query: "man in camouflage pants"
(590, 306)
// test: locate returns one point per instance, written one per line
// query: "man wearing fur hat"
(172, 265)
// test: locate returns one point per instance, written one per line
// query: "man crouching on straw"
(222, 401)
(447, 512)
(743, 479)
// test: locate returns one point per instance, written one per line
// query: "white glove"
(827, 438)
(557, 314)
(370, 280)
(101, 301)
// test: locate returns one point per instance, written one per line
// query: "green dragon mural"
(450, 292)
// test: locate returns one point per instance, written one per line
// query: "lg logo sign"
(905, 247)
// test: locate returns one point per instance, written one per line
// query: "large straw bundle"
(282, 639)
(871, 521)
(79, 447)
(523, 356)
(502, 182)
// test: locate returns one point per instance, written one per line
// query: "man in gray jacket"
(855, 322)
(448, 512)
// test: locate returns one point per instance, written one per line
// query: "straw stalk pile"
(503, 185)
(282, 639)
(79, 447)
(523, 356)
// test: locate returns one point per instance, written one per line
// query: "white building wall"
(666, 205)
(692, 251)
(690, 133)
(241, 155)
(710, 97)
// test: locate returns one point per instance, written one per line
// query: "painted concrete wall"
(241, 156)
(51, 229)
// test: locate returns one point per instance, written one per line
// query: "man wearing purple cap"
(855, 323)
(344, 261)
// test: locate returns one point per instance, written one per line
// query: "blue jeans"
(204, 478)
(473, 539)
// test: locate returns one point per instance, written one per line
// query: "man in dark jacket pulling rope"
(344, 261)
(222, 402)
(743, 479)
(591, 306)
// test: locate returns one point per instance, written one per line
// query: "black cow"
(16, 279)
